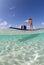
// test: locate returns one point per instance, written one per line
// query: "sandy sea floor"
(21, 47)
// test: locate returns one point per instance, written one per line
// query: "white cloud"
(28, 27)
(34, 27)
(4, 23)
(42, 23)
(11, 15)
(9, 25)
(12, 8)
(26, 21)
(18, 26)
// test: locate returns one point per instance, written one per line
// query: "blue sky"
(17, 12)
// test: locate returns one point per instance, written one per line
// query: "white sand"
(13, 31)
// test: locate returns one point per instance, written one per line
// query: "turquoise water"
(23, 49)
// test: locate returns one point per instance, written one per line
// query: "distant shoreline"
(15, 31)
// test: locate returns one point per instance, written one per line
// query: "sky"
(17, 12)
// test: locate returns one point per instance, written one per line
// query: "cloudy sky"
(17, 12)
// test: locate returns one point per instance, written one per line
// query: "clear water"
(23, 49)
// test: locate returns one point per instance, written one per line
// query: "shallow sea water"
(23, 49)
